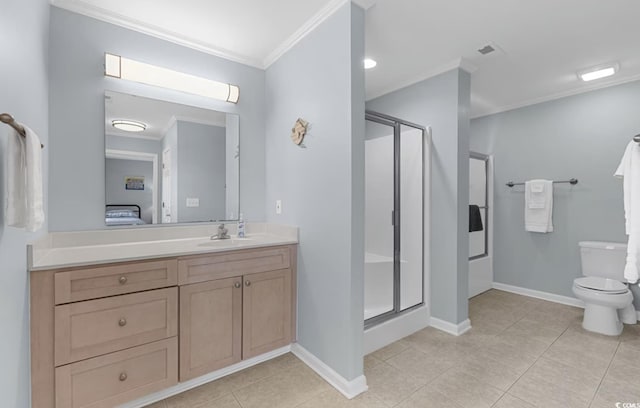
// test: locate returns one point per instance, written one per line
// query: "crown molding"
(365, 4)
(303, 31)
(107, 16)
(558, 95)
(152, 30)
(181, 118)
(458, 63)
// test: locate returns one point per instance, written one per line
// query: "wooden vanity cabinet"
(266, 312)
(103, 335)
(210, 326)
(226, 320)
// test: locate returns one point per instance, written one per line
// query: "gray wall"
(582, 136)
(442, 102)
(117, 170)
(77, 86)
(170, 141)
(24, 26)
(201, 171)
(143, 146)
(232, 204)
(321, 79)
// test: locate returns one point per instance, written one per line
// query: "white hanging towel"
(25, 207)
(538, 206)
(629, 169)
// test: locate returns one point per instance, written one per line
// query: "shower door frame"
(396, 124)
(485, 158)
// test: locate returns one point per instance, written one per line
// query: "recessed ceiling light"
(602, 71)
(369, 63)
(129, 125)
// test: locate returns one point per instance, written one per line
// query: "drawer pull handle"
(237, 285)
(247, 283)
(122, 322)
(122, 280)
(123, 376)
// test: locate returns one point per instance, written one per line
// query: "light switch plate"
(278, 206)
(193, 202)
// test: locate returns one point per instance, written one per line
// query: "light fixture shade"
(129, 125)
(124, 68)
(598, 72)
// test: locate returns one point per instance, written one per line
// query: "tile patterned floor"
(520, 353)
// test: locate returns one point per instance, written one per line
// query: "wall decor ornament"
(134, 183)
(298, 131)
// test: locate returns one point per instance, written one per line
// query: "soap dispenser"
(241, 226)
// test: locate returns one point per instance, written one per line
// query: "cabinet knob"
(247, 283)
(237, 285)
(122, 322)
(123, 376)
(122, 280)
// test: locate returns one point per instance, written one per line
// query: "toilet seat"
(603, 285)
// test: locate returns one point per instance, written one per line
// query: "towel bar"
(8, 119)
(573, 182)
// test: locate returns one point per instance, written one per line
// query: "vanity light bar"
(118, 67)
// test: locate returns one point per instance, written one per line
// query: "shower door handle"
(394, 218)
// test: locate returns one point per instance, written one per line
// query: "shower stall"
(394, 217)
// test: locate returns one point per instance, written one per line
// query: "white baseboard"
(551, 297)
(395, 329)
(196, 382)
(349, 389)
(454, 329)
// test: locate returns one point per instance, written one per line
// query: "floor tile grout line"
(537, 358)
(235, 397)
(423, 386)
(604, 376)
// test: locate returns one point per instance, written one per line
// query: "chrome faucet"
(223, 233)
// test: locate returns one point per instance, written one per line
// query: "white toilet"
(608, 302)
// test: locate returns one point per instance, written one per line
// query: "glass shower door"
(394, 217)
(411, 217)
(379, 238)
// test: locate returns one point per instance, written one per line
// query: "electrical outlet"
(193, 202)
(278, 206)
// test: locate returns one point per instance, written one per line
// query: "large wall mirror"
(169, 163)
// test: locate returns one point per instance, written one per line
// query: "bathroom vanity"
(122, 316)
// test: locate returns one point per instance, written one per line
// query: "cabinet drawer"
(230, 264)
(110, 380)
(103, 281)
(91, 328)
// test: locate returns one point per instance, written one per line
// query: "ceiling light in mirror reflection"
(124, 68)
(129, 125)
(189, 157)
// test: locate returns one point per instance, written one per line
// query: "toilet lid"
(601, 284)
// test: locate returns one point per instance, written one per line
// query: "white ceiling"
(544, 41)
(157, 115)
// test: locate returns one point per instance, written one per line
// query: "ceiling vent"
(487, 49)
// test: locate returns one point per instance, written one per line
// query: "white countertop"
(69, 249)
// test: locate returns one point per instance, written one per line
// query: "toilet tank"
(603, 259)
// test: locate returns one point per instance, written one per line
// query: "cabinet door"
(266, 312)
(210, 326)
